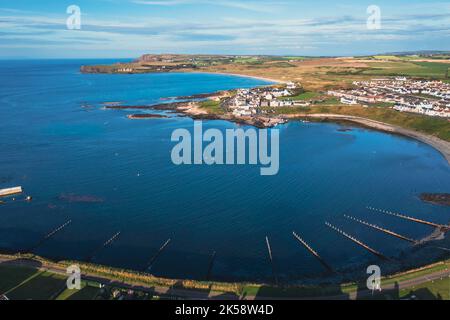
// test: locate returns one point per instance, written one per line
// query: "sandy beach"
(192, 109)
(247, 76)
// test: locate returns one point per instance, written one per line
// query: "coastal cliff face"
(146, 116)
(136, 68)
(97, 69)
(155, 63)
(150, 63)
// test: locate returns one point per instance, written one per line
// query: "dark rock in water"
(442, 199)
(146, 116)
(169, 106)
(71, 197)
(128, 107)
(345, 129)
(198, 96)
(162, 106)
(5, 179)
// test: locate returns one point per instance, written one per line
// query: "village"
(258, 101)
(431, 98)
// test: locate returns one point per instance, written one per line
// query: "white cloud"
(257, 6)
(224, 34)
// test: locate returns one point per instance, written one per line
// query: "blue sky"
(129, 28)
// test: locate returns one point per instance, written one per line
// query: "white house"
(348, 101)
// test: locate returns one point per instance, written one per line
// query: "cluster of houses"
(430, 98)
(125, 70)
(249, 102)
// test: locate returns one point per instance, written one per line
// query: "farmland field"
(44, 286)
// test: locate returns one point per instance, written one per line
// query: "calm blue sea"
(109, 174)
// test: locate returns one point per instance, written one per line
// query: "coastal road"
(192, 294)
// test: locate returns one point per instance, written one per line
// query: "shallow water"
(110, 174)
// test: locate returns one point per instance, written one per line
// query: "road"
(203, 295)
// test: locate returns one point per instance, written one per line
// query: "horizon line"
(219, 54)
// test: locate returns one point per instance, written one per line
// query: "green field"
(212, 106)
(330, 101)
(43, 286)
(292, 292)
(88, 291)
(381, 57)
(382, 105)
(295, 58)
(433, 290)
(24, 283)
(303, 96)
(248, 60)
(287, 110)
(406, 68)
(10, 277)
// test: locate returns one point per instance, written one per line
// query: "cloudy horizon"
(129, 28)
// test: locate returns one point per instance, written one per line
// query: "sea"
(105, 173)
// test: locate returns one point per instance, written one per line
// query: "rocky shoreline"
(162, 106)
(146, 116)
(192, 109)
(200, 96)
(442, 199)
(268, 122)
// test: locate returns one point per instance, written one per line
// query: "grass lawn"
(293, 292)
(433, 126)
(212, 106)
(88, 291)
(289, 110)
(302, 96)
(26, 284)
(412, 275)
(330, 101)
(295, 58)
(439, 289)
(436, 290)
(11, 277)
(44, 286)
(380, 57)
(382, 105)
(249, 60)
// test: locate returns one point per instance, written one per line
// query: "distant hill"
(419, 53)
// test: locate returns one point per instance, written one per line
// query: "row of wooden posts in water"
(97, 250)
(439, 227)
(150, 264)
